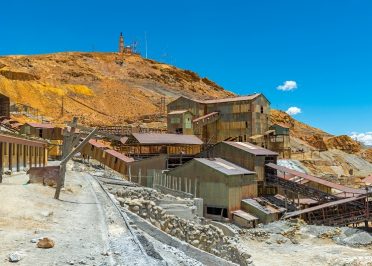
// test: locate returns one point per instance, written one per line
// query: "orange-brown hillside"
(101, 88)
(313, 136)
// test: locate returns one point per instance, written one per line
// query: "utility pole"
(62, 107)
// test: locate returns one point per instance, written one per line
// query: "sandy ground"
(307, 249)
(83, 228)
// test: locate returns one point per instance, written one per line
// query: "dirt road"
(83, 224)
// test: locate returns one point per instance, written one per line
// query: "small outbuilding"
(220, 183)
(246, 155)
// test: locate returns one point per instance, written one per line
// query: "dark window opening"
(40, 133)
(246, 124)
(116, 160)
(179, 130)
(217, 211)
(262, 109)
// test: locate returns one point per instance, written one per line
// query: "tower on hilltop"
(121, 43)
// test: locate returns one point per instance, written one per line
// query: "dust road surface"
(83, 225)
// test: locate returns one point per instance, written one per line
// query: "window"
(262, 110)
(40, 133)
(217, 211)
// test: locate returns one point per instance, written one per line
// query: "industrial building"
(142, 145)
(218, 120)
(4, 106)
(20, 153)
(220, 183)
(248, 156)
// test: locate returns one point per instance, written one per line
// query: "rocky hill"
(107, 88)
(101, 88)
(315, 137)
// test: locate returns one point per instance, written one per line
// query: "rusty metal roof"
(158, 138)
(97, 144)
(316, 179)
(250, 148)
(233, 99)
(40, 125)
(224, 100)
(18, 140)
(322, 206)
(120, 156)
(224, 166)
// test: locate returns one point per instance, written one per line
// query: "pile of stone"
(142, 201)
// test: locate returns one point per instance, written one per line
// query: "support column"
(24, 156)
(1, 162)
(10, 152)
(17, 154)
(29, 157)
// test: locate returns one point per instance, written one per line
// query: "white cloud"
(365, 138)
(288, 85)
(293, 110)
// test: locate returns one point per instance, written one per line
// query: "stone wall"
(143, 202)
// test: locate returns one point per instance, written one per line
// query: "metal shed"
(220, 183)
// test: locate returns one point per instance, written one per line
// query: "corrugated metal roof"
(322, 206)
(178, 112)
(316, 179)
(245, 215)
(250, 148)
(234, 99)
(157, 138)
(40, 125)
(120, 156)
(224, 166)
(97, 144)
(224, 100)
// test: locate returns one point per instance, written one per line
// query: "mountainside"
(314, 137)
(106, 88)
(101, 88)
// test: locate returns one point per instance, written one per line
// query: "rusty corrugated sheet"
(316, 179)
(120, 156)
(97, 144)
(156, 138)
(39, 125)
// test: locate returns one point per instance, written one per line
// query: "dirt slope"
(101, 88)
(314, 137)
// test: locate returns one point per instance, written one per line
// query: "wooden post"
(1, 162)
(10, 161)
(17, 154)
(30, 156)
(129, 174)
(196, 183)
(24, 156)
(67, 158)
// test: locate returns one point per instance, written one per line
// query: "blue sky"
(245, 46)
